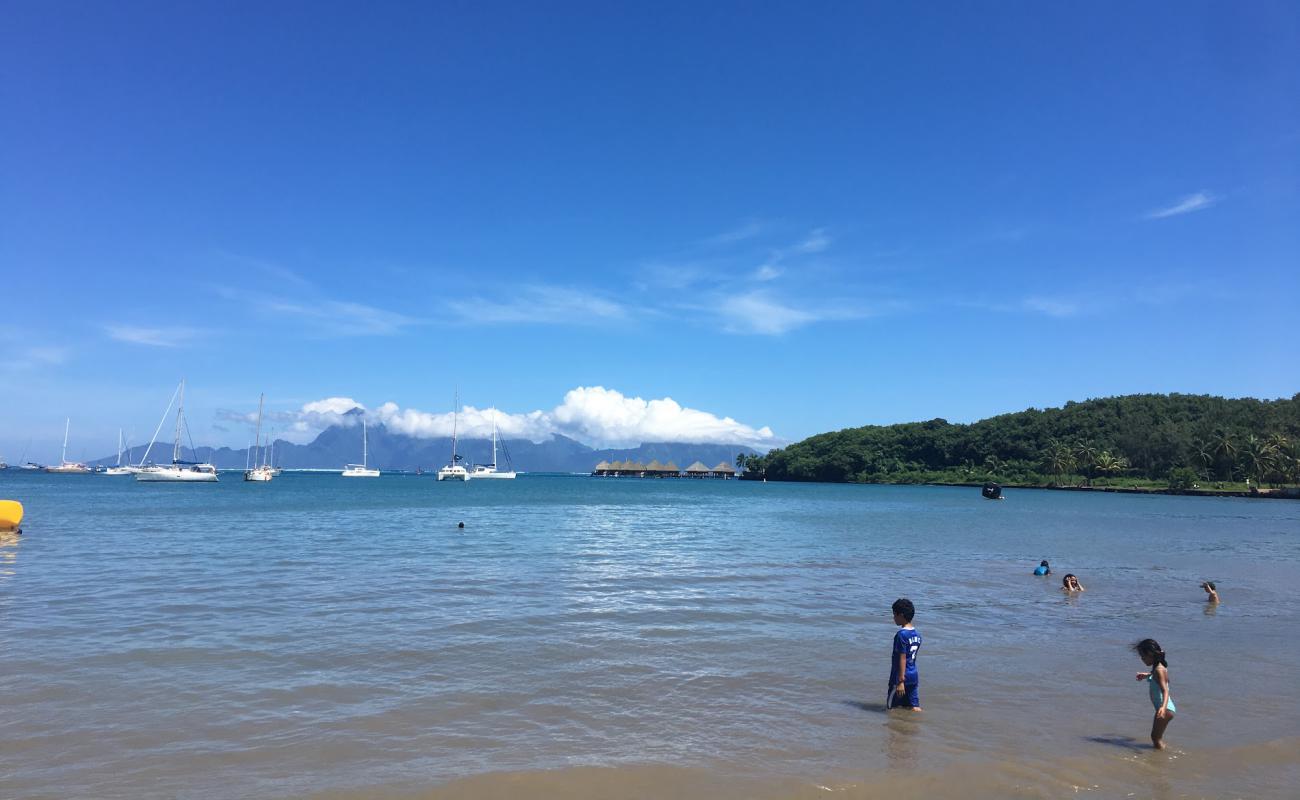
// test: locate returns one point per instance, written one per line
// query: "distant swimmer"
(1158, 684)
(460, 525)
(904, 682)
(1070, 584)
(1043, 568)
(1212, 594)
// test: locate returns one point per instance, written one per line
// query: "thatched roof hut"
(697, 468)
(724, 470)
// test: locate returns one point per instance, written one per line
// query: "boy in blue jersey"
(904, 683)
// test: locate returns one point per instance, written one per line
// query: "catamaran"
(362, 470)
(260, 472)
(490, 470)
(119, 469)
(178, 471)
(65, 466)
(454, 471)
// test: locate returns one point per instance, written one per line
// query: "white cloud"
(1051, 307)
(815, 242)
(757, 312)
(152, 337)
(540, 304)
(767, 272)
(738, 234)
(594, 415)
(1185, 205)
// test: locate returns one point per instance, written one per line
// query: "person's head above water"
(1043, 563)
(904, 610)
(1069, 580)
(1209, 586)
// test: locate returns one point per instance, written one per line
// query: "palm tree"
(1058, 459)
(993, 465)
(1257, 458)
(741, 459)
(1225, 451)
(1086, 453)
(1110, 464)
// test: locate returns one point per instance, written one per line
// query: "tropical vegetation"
(1177, 441)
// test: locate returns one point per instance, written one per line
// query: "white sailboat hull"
(69, 469)
(360, 472)
(492, 474)
(118, 471)
(456, 473)
(259, 474)
(175, 474)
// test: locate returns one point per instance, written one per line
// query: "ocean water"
(327, 638)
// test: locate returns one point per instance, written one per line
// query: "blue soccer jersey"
(907, 641)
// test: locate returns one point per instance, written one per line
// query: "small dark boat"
(992, 491)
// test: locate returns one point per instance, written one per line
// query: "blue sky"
(797, 217)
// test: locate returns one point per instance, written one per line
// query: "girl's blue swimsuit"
(1157, 695)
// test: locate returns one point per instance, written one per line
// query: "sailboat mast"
(119, 447)
(180, 417)
(258, 439)
(67, 424)
(494, 437)
(365, 447)
(455, 420)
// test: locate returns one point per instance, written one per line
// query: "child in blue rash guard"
(904, 683)
(1043, 569)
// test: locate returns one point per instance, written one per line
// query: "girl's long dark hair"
(1150, 647)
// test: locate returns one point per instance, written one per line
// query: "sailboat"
(65, 466)
(178, 471)
(490, 470)
(362, 470)
(119, 469)
(454, 471)
(260, 472)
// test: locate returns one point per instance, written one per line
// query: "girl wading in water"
(1158, 683)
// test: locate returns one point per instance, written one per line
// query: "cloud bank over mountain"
(593, 415)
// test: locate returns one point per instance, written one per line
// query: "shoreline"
(1285, 493)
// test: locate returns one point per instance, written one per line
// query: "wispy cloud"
(1052, 307)
(545, 305)
(152, 337)
(814, 242)
(289, 296)
(740, 233)
(1185, 205)
(20, 358)
(762, 313)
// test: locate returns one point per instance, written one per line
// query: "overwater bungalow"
(724, 471)
(697, 470)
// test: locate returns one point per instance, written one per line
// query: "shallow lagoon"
(598, 637)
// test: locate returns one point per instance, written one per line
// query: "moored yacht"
(454, 471)
(178, 471)
(362, 470)
(65, 466)
(260, 473)
(490, 471)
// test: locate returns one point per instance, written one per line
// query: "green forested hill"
(1146, 438)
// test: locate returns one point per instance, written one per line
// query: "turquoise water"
(321, 635)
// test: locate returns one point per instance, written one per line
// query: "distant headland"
(1175, 443)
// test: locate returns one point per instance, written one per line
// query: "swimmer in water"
(1158, 682)
(1070, 584)
(1212, 594)
(1043, 569)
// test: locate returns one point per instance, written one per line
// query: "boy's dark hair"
(1043, 563)
(904, 608)
(1211, 585)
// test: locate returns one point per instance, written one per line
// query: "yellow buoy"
(11, 514)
